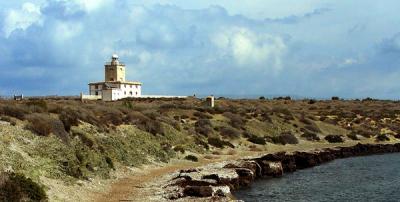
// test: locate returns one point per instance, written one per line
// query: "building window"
(124, 92)
(130, 93)
(136, 93)
(97, 93)
(120, 68)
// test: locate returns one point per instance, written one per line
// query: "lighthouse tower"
(114, 86)
(114, 70)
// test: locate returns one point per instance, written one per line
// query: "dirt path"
(135, 188)
(145, 185)
(142, 185)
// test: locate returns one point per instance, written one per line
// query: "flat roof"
(117, 82)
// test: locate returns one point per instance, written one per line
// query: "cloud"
(250, 49)
(391, 45)
(292, 19)
(22, 18)
(185, 47)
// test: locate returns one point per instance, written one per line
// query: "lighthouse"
(115, 86)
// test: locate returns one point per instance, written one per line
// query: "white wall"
(120, 91)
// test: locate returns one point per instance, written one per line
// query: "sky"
(307, 48)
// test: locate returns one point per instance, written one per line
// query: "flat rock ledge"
(215, 182)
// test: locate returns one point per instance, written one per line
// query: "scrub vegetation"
(70, 140)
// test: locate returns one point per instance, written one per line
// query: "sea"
(367, 178)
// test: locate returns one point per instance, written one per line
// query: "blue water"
(370, 178)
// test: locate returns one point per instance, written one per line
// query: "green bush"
(69, 119)
(203, 127)
(310, 136)
(14, 111)
(216, 142)
(148, 124)
(235, 120)
(192, 158)
(229, 132)
(44, 125)
(37, 106)
(382, 137)
(40, 124)
(179, 148)
(334, 138)
(353, 136)
(202, 115)
(285, 138)
(257, 140)
(17, 187)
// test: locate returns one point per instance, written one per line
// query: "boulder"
(198, 191)
(271, 168)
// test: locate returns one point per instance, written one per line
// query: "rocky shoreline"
(218, 181)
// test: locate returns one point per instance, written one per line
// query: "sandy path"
(145, 185)
(140, 186)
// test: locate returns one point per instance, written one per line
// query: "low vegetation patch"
(285, 138)
(353, 136)
(382, 138)
(310, 136)
(334, 138)
(192, 158)
(216, 142)
(17, 187)
(257, 140)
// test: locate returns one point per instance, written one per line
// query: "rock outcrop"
(217, 181)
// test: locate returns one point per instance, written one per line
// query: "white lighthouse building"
(114, 87)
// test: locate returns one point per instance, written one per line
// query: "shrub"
(216, 142)
(109, 162)
(202, 115)
(69, 119)
(86, 140)
(9, 120)
(17, 187)
(265, 117)
(235, 120)
(40, 124)
(14, 111)
(201, 143)
(37, 106)
(145, 123)
(313, 128)
(382, 137)
(179, 148)
(312, 101)
(285, 138)
(283, 111)
(111, 116)
(203, 127)
(363, 132)
(44, 125)
(192, 158)
(353, 136)
(305, 120)
(310, 136)
(229, 132)
(256, 140)
(397, 136)
(334, 138)
(283, 98)
(335, 98)
(261, 98)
